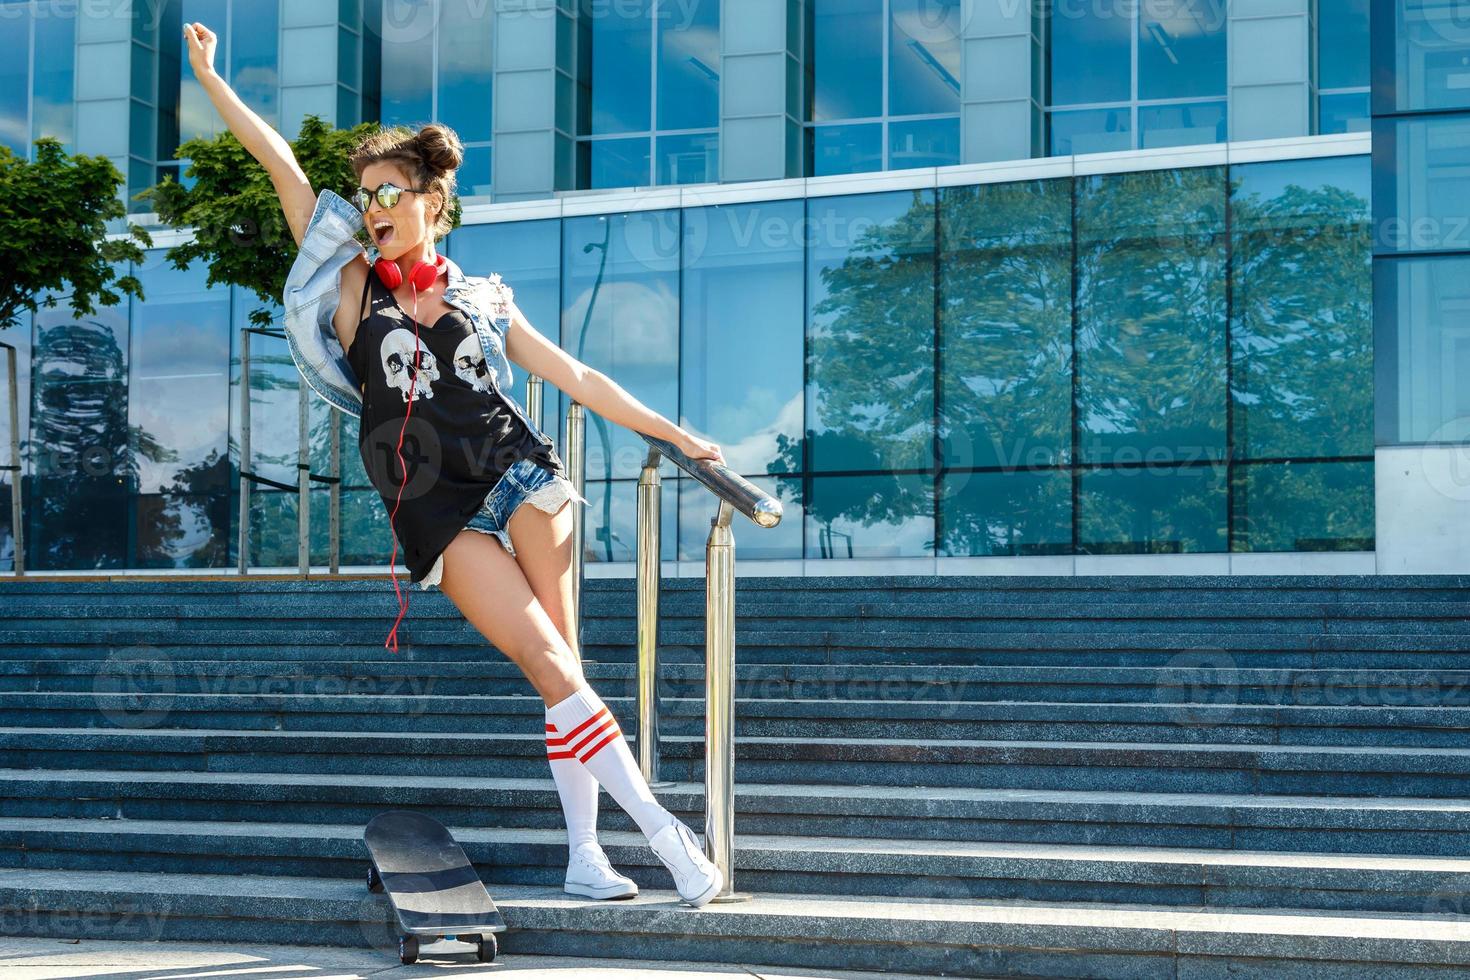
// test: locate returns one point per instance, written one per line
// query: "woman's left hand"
(697, 448)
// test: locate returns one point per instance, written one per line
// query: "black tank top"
(461, 437)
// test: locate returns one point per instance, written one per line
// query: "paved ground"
(55, 959)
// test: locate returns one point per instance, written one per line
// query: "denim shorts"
(524, 481)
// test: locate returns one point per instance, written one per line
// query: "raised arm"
(263, 142)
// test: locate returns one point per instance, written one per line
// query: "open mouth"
(382, 232)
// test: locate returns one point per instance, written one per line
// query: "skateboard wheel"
(374, 882)
(488, 947)
(408, 948)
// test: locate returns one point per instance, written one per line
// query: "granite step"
(1323, 824)
(767, 863)
(1203, 680)
(1188, 722)
(955, 937)
(1138, 766)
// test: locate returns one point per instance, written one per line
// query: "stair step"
(1305, 725)
(1327, 824)
(766, 863)
(939, 936)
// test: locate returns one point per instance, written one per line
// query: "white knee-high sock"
(578, 791)
(593, 739)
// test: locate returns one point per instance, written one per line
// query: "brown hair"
(430, 156)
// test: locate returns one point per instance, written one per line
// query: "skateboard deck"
(433, 888)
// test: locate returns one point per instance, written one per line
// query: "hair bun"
(440, 147)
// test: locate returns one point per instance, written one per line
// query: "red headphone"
(422, 275)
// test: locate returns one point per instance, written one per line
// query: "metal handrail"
(17, 531)
(303, 469)
(734, 494)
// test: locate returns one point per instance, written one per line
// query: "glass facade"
(1141, 362)
(1421, 152)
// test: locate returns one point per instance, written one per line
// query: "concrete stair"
(1109, 776)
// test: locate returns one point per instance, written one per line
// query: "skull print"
(409, 371)
(469, 364)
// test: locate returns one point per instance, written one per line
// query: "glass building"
(1057, 287)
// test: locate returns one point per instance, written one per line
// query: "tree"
(54, 225)
(231, 207)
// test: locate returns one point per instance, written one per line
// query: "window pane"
(610, 527)
(473, 177)
(1010, 513)
(1344, 113)
(620, 314)
(274, 382)
(527, 254)
(870, 283)
(742, 336)
(846, 149)
(697, 505)
(1005, 286)
(1089, 131)
(196, 114)
(846, 60)
(1432, 49)
(880, 516)
(1091, 56)
(81, 449)
(408, 62)
(465, 89)
(1303, 507)
(15, 47)
(1151, 510)
(254, 58)
(1424, 349)
(1302, 333)
(688, 64)
(1182, 124)
(1181, 50)
(924, 58)
(621, 66)
(18, 337)
(617, 163)
(1151, 316)
(693, 158)
(55, 64)
(184, 530)
(180, 355)
(1421, 199)
(923, 143)
(1342, 43)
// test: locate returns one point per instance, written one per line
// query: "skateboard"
(433, 888)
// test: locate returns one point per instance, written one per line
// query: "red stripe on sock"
(615, 733)
(596, 733)
(560, 755)
(550, 727)
(564, 739)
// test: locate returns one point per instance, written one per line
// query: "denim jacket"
(313, 290)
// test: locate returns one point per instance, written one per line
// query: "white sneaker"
(695, 876)
(590, 874)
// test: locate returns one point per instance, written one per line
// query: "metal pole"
(650, 488)
(334, 509)
(17, 530)
(303, 481)
(533, 397)
(244, 449)
(719, 700)
(576, 446)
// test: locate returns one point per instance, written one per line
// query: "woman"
(436, 386)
